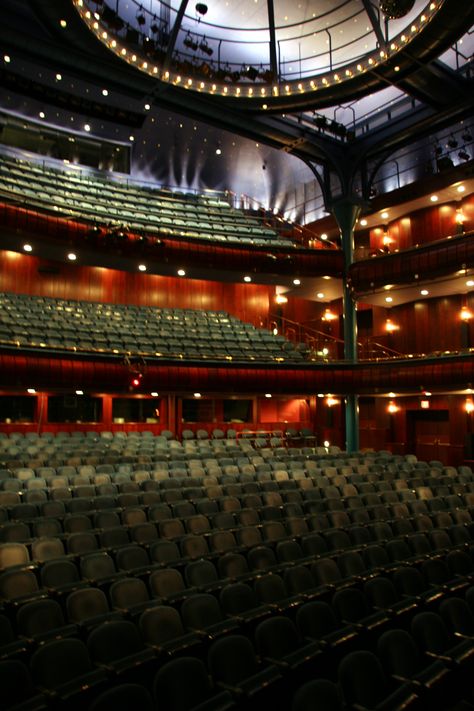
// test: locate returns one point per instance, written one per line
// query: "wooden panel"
(27, 274)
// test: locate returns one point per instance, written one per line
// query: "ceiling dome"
(255, 50)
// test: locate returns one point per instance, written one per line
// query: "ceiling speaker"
(393, 9)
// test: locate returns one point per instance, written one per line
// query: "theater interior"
(236, 355)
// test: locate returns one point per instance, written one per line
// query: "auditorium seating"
(36, 322)
(91, 198)
(202, 560)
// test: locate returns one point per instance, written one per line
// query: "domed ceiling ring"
(188, 54)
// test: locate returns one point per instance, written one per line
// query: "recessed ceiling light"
(363, 222)
(320, 295)
(79, 392)
(424, 292)
(181, 272)
(147, 107)
(247, 279)
(59, 77)
(41, 114)
(218, 151)
(142, 267)
(326, 277)
(87, 127)
(72, 257)
(197, 394)
(63, 23)
(461, 189)
(384, 214)
(27, 248)
(268, 394)
(7, 59)
(154, 394)
(105, 92)
(324, 236)
(296, 282)
(131, 138)
(31, 391)
(470, 283)
(434, 198)
(392, 395)
(388, 299)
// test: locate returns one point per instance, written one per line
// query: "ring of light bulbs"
(261, 94)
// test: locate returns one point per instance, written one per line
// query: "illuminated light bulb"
(469, 406)
(465, 314)
(392, 408)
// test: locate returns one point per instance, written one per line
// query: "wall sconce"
(465, 314)
(460, 217)
(390, 327)
(281, 299)
(331, 401)
(425, 404)
(469, 406)
(392, 408)
(328, 316)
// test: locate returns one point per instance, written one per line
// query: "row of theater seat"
(228, 554)
(326, 629)
(141, 210)
(43, 322)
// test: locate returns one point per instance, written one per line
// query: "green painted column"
(346, 213)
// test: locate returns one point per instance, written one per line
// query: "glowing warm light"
(424, 292)
(181, 272)
(328, 316)
(296, 282)
(72, 257)
(434, 198)
(363, 222)
(323, 237)
(392, 408)
(79, 392)
(461, 188)
(154, 394)
(281, 299)
(198, 395)
(425, 404)
(326, 443)
(465, 314)
(31, 391)
(331, 401)
(320, 295)
(384, 214)
(142, 267)
(470, 282)
(390, 326)
(388, 299)
(469, 406)
(460, 216)
(247, 279)
(27, 248)
(268, 394)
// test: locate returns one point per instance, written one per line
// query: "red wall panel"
(30, 275)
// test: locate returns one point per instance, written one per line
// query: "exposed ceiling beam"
(174, 33)
(374, 21)
(272, 35)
